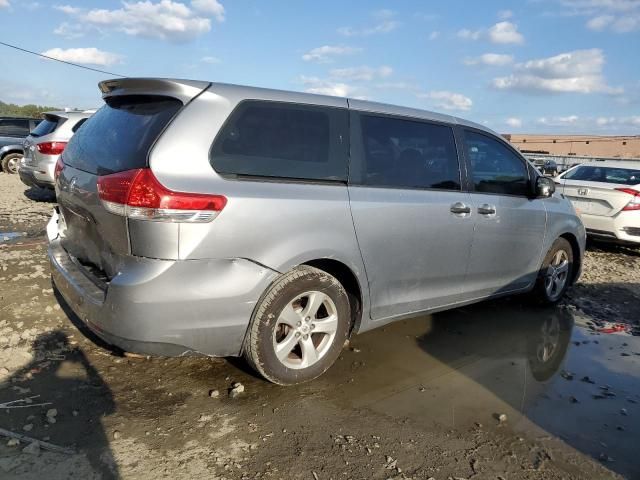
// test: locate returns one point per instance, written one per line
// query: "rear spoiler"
(183, 90)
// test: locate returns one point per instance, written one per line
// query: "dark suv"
(13, 131)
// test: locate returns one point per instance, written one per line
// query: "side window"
(283, 140)
(494, 167)
(14, 127)
(407, 154)
(75, 128)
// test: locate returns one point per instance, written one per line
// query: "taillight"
(634, 203)
(51, 148)
(139, 195)
(58, 168)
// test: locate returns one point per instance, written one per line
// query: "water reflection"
(462, 367)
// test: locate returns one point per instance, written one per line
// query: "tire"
(10, 162)
(555, 274)
(306, 309)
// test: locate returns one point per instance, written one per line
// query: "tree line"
(13, 110)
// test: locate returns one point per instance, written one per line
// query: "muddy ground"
(418, 399)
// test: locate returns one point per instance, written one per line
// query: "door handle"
(460, 208)
(487, 209)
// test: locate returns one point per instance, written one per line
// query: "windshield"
(592, 173)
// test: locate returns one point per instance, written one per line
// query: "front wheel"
(299, 327)
(555, 274)
(10, 162)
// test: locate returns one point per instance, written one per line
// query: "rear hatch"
(117, 138)
(606, 197)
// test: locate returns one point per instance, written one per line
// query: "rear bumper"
(168, 308)
(622, 228)
(35, 178)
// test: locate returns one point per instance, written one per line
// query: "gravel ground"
(418, 399)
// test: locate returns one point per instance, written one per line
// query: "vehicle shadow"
(44, 195)
(598, 246)
(61, 377)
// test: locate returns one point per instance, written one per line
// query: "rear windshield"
(45, 127)
(588, 173)
(283, 140)
(119, 135)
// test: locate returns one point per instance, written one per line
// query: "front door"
(509, 224)
(413, 222)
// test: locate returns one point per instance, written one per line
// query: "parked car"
(216, 219)
(13, 131)
(607, 197)
(45, 144)
(550, 167)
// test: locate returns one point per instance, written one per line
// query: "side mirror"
(545, 187)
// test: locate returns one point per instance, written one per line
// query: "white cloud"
(558, 121)
(490, 59)
(4, 4)
(210, 60)
(600, 22)
(85, 56)
(328, 87)
(617, 122)
(470, 34)
(579, 71)
(448, 100)
(165, 19)
(400, 85)
(385, 23)
(211, 7)
(326, 53)
(513, 122)
(363, 73)
(606, 124)
(503, 33)
(620, 16)
(68, 9)
(433, 35)
(69, 31)
(505, 14)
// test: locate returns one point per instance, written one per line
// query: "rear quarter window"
(14, 127)
(119, 135)
(283, 140)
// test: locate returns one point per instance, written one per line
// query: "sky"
(530, 66)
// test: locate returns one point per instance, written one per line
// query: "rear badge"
(583, 191)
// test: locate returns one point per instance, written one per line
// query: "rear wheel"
(299, 327)
(10, 162)
(555, 274)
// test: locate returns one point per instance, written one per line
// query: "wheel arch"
(577, 257)
(6, 150)
(345, 275)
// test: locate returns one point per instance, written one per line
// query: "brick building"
(579, 145)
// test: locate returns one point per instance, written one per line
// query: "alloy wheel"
(12, 164)
(305, 330)
(557, 275)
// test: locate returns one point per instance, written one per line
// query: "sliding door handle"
(487, 209)
(460, 208)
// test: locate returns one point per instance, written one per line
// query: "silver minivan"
(45, 144)
(205, 218)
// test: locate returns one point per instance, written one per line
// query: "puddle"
(537, 366)
(7, 237)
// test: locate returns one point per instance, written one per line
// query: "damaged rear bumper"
(160, 307)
